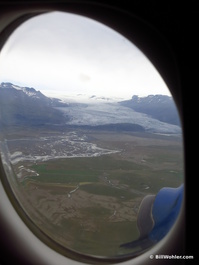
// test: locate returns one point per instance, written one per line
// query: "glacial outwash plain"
(81, 170)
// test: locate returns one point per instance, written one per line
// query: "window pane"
(90, 135)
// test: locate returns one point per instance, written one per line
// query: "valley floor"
(83, 188)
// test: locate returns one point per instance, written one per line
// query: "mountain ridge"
(21, 105)
(160, 107)
(27, 106)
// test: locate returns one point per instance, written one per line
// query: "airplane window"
(90, 137)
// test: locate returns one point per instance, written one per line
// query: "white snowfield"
(113, 113)
(26, 91)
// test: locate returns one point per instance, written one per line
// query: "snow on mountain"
(103, 99)
(83, 98)
(26, 106)
(23, 105)
(27, 90)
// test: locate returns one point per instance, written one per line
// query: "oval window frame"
(97, 12)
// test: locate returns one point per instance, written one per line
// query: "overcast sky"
(68, 54)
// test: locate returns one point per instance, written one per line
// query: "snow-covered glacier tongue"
(114, 113)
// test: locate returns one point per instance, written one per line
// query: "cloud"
(71, 53)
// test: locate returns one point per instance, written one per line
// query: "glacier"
(113, 113)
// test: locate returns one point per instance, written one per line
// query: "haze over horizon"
(81, 98)
(65, 54)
